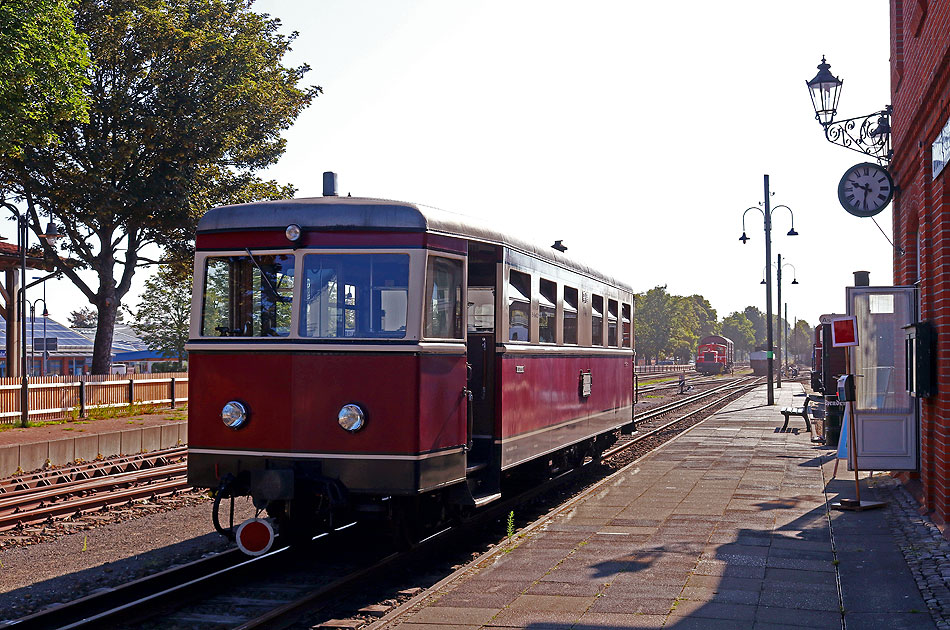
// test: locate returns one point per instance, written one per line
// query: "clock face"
(865, 189)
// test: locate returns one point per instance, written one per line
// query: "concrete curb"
(33, 456)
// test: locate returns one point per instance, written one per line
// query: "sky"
(638, 133)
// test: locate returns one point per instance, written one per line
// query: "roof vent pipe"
(862, 278)
(329, 184)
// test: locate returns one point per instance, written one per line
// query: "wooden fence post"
(172, 392)
(131, 390)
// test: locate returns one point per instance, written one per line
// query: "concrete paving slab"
(110, 443)
(86, 448)
(130, 442)
(9, 459)
(62, 451)
(151, 438)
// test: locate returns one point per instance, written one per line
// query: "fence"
(655, 369)
(52, 397)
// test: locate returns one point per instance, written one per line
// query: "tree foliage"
(757, 318)
(653, 322)
(187, 102)
(161, 319)
(802, 338)
(42, 71)
(88, 318)
(737, 327)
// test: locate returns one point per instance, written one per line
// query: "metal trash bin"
(834, 416)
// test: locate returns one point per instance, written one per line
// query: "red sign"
(844, 331)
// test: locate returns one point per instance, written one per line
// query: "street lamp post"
(767, 217)
(784, 321)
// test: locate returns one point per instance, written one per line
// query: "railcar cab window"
(356, 296)
(547, 312)
(612, 323)
(596, 320)
(248, 296)
(625, 325)
(481, 309)
(519, 306)
(570, 315)
(443, 316)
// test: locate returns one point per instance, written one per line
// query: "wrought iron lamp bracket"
(869, 135)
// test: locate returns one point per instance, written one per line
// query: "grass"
(133, 412)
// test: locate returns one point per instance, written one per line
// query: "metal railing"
(54, 397)
(657, 369)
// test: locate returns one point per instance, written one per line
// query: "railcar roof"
(354, 213)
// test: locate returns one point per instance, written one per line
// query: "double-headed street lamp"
(767, 219)
(781, 342)
(22, 240)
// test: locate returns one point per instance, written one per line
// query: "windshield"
(355, 295)
(248, 296)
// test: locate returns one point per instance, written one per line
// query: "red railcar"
(715, 355)
(356, 355)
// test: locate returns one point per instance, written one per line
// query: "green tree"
(161, 319)
(706, 317)
(757, 318)
(685, 322)
(802, 339)
(42, 64)
(187, 102)
(653, 322)
(738, 328)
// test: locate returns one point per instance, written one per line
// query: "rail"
(54, 397)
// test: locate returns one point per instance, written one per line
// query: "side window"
(612, 323)
(597, 320)
(519, 306)
(443, 308)
(570, 315)
(625, 325)
(481, 309)
(547, 312)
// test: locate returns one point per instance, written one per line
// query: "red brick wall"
(920, 94)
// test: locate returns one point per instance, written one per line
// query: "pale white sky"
(636, 132)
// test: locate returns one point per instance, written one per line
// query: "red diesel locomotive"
(360, 356)
(715, 355)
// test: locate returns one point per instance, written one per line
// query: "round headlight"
(292, 232)
(234, 414)
(351, 418)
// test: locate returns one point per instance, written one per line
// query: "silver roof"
(352, 213)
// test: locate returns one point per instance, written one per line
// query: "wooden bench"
(797, 411)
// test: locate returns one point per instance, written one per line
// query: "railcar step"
(485, 499)
(474, 468)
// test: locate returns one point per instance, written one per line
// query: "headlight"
(351, 418)
(234, 414)
(292, 232)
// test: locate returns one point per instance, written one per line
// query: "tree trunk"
(107, 307)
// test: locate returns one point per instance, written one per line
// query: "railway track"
(76, 490)
(230, 591)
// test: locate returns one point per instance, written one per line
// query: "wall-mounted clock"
(865, 189)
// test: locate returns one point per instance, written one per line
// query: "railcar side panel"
(541, 407)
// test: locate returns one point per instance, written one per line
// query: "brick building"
(920, 94)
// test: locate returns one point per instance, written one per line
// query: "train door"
(482, 467)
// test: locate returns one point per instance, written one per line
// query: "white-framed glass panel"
(626, 326)
(355, 296)
(570, 315)
(519, 306)
(612, 322)
(443, 307)
(547, 312)
(248, 296)
(597, 320)
(481, 309)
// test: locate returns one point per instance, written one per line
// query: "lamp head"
(794, 281)
(825, 90)
(743, 238)
(52, 232)
(792, 232)
(763, 281)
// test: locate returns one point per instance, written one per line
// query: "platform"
(728, 526)
(30, 448)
